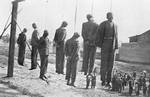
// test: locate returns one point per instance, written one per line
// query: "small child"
(91, 78)
(114, 78)
(148, 90)
(93, 83)
(134, 75)
(144, 84)
(119, 84)
(137, 89)
(88, 80)
(131, 84)
(144, 89)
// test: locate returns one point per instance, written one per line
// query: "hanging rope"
(75, 18)
(92, 7)
(111, 5)
(44, 17)
(6, 26)
(62, 6)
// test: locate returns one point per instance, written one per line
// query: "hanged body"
(21, 41)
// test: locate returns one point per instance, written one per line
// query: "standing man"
(59, 40)
(44, 52)
(89, 30)
(108, 41)
(71, 51)
(21, 41)
(34, 44)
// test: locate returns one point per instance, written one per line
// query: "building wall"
(133, 39)
(145, 37)
(135, 52)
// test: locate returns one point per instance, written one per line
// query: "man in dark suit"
(59, 40)
(44, 52)
(108, 41)
(34, 44)
(72, 54)
(89, 30)
(21, 41)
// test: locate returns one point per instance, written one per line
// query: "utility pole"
(12, 38)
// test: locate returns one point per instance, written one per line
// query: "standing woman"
(21, 41)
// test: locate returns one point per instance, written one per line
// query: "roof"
(147, 32)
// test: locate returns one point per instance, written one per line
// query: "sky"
(131, 16)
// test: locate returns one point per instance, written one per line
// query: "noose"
(111, 5)
(45, 16)
(92, 7)
(75, 18)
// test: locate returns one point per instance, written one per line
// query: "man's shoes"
(103, 83)
(112, 89)
(32, 68)
(57, 72)
(66, 78)
(42, 78)
(108, 85)
(45, 77)
(85, 73)
(72, 84)
(60, 72)
(68, 83)
(21, 64)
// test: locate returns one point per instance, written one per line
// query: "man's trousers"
(44, 64)
(60, 57)
(21, 55)
(34, 54)
(88, 58)
(107, 61)
(71, 69)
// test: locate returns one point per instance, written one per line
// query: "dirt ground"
(28, 83)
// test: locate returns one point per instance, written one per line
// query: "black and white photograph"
(74, 48)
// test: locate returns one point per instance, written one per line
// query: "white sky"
(131, 16)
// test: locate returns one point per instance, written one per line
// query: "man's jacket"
(43, 46)
(34, 38)
(89, 30)
(60, 36)
(101, 35)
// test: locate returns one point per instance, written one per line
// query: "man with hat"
(59, 41)
(21, 41)
(72, 54)
(108, 41)
(89, 30)
(44, 52)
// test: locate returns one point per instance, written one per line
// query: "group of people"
(94, 35)
(40, 45)
(136, 83)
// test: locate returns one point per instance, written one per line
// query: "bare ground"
(28, 83)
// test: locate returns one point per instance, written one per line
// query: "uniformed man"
(71, 52)
(59, 40)
(89, 30)
(34, 44)
(44, 52)
(108, 41)
(21, 41)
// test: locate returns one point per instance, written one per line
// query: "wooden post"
(12, 40)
